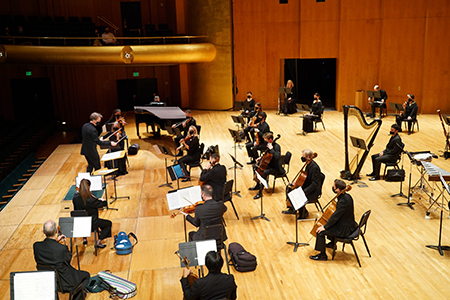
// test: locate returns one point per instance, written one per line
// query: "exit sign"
(135, 74)
(28, 73)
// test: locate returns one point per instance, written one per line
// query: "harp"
(353, 168)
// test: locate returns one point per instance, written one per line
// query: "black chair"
(360, 231)
(316, 201)
(59, 288)
(414, 123)
(285, 161)
(83, 213)
(319, 119)
(196, 164)
(216, 232)
(227, 195)
(199, 127)
(388, 164)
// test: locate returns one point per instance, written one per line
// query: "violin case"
(242, 260)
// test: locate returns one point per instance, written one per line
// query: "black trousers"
(376, 105)
(93, 163)
(105, 228)
(377, 160)
(185, 160)
(400, 119)
(249, 133)
(252, 151)
(320, 240)
(85, 276)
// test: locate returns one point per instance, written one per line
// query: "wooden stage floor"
(401, 267)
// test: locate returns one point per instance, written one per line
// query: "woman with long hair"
(192, 144)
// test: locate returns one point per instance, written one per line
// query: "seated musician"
(259, 143)
(215, 285)
(289, 101)
(409, 114)
(341, 223)
(312, 186)
(184, 127)
(274, 167)
(390, 154)
(215, 175)
(206, 214)
(192, 144)
(378, 102)
(314, 114)
(116, 134)
(117, 116)
(250, 128)
(251, 104)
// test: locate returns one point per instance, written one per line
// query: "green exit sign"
(28, 73)
(135, 74)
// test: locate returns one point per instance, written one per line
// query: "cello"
(330, 209)
(261, 166)
(300, 178)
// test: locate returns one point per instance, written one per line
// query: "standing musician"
(289, 102)
(116, 134)
(90, 141)
(259, 143)
(206, 214)
(215, 285)
(253, 122)
(192, 144)
(390, 154)
(408, 114)
(314, 114)
(378, 102)
(251, 104)
(341, 223)
(312, 185)
(184, 126)
(274, 166)
(117, 116)
(215, 175)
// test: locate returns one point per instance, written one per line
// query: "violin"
(187, 209)
(63, 240)
(191, 277)
(331, 208)
(301, 177)
(121, 120)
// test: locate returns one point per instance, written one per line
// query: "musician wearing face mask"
(315, 113)
(249, 130)
(184, 126)
(312, 185)
(192, 144)
(259, 143)
(341, 223)
(215, 175)
(390, 154)
(274, 166)
(117, 134)
(251, 104)
(90, 141)
(378, 102)
(409, 114)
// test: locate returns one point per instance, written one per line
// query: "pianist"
(390, 154)
(378, 102)
(184, 126)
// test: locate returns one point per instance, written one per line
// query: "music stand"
(239, 105)
(264, 183)
(96, 184)
(396, 106)
(303, 107)
(114, 156)
(173, 131)
(176, 172)
(413, 161)
(298, 199)
(75, 227)
(400, 194)
(236, 165)
(33, 285)
(161, 149)
(239, 120)
(360, 144)
(439, 247)
(195, 252)
(236, 139)
(282, 90)
(374, 94)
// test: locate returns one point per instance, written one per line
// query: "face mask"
(115, 128)
(391, 132)
(249, 96)
(191, 132)
(334, 191)
(303, 159)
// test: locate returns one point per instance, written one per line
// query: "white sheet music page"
(263, 182)
(203, 247)
(34, 285)
(82, 226)
(298, 198)
(184, 197)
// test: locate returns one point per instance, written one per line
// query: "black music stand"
(439, 247)
(236, 139)
(173, 131)
(446, 152)
(103, 173)
(303, 108)
(400, 194)
(176, 172)
(374, 94)
(239, 120)
(396, 106)
(264, 183)
(236, 165)
(282, 90)
(161, 149)
(360, 144)
(298, 200)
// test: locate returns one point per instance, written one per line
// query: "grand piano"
(157, 117)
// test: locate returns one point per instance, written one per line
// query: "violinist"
(192, 144)
(259, 143)
(206, 214)
(117, 117)
(312, 186)
(408, 114)
(253, 122)
(116, 134)
(184, 126)
(215, 175)
(215, 285)
(341, 223)
(274, 167)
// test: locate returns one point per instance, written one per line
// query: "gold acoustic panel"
(108, 55)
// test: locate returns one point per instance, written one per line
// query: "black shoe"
(252, 162)
(256, 187)
(409, 132)
(186, 179)
(289, 211)
(370, 175)
(330, 245)
(85, 241)
(101, 246)
(319, 256)
(374, 178)
(257, 196)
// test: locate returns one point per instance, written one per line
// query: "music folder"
(176, 172)
(161, 149)
(195, 251)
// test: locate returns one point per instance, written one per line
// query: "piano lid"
(164, 113)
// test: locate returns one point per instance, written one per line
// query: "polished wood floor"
(401, 267)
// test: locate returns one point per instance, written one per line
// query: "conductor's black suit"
(89, 146)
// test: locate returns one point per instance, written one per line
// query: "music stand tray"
(114, 156)
(284, 90)
(360, 144)
(238, 120)
(239, 105)
(195, 251)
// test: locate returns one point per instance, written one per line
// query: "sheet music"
(82, 226)
(298, 198)
(39, 285)
(112, 156)
(96, 181)
(184, 197)
(203, 247)
(263, 182)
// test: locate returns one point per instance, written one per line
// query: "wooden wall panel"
(319, 39)
(320, 11)
(360, 10)
(438, 8)
(266, 12)
(400, 9)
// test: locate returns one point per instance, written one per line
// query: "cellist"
(273, 167)
(341, 223)
(259, 143)
(311, 186)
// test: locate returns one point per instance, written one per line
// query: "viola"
(187, 209)
(300, 177)
(191, 277)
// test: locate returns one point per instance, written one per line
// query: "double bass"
(300, 177)
(261, 166)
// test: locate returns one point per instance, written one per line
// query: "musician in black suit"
(192, 144)
(312, 187)
(289, 101)
(50, 252)
(410, 113)
(274, 167)
(378, 102)
(314, 114)
(249, 130)
(184, 127)
(260, 130)
(116, 134)
(341, 223)
(215, 175)
(206, 214)
(390, 154)
(215, 285)
(84, 200)
(90, 141)
(251, 104)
